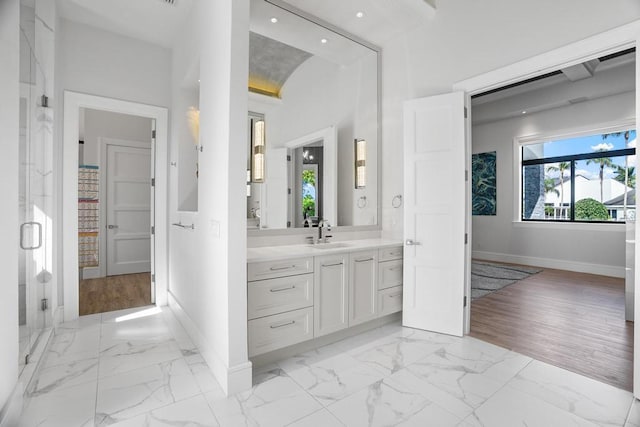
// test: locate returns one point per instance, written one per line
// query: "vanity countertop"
(273, 253)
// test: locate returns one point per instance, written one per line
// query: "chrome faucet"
(323, 224)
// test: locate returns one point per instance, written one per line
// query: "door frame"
(605, 43)
(68, 244)
(104, 144)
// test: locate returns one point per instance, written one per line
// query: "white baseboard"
(91, 273)
(560, 264)
(10, 413)
(232, 379)
(58, 316)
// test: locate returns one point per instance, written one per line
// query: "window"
(588, 178)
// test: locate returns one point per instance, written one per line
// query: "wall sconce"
(257, 152)
(248, 183)
(360, 147)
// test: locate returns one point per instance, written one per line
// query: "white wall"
(101, 63)
(600, 248)
(105, 124)
(9, 119)
(208, 265)
(466, 38)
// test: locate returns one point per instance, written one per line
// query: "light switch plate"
(214, 227)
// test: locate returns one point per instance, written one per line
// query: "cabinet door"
(363, 287)
(331, 293)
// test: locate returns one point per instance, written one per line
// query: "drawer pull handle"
(394, 268)
(395, 295)
(282, 325)
(364, 260)
(332, 265)
(282, 289)
(282, 268)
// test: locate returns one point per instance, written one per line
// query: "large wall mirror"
(314, 123)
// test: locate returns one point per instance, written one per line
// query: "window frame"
(519, 164)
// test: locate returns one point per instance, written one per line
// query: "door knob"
(410, 242)
(112, 227)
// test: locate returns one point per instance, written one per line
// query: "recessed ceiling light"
(359, 14)
(524, 112)
(323, 41)
(274, 20)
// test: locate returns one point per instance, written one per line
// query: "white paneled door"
(128, 220)
(435, 212)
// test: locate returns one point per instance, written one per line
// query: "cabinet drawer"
(280, 330)
(272, 269)
(389, 274)
(273, 296)
(389, 301)
(388, 254)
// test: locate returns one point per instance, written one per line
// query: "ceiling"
(583, 82)
(271, 63)
(158, 22)
(381, 19)
(154, 21)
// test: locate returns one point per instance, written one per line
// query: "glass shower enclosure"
(35, 277)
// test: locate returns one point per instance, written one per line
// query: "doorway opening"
(115, 211)
(563, 201)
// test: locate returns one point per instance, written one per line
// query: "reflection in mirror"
(255, 167)
(308, 193)
(305, 79)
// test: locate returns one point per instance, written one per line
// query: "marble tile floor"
(138, 367)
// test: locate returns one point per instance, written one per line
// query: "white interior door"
(128, 210)
(435, 206)
(275, 204)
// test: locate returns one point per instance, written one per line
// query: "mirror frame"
(344, 228)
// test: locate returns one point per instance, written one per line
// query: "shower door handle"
(23, 226)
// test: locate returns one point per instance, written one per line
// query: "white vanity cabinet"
(291, 300)
(363, 286)
(280, 306)
(389, 280)
(331, 293)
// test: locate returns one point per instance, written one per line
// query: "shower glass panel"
(35, 191)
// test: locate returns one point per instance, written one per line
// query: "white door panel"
(128, 210)
(435, 203)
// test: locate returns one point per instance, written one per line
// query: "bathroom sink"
(333, 245)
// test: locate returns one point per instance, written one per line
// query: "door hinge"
(464, 302)
(153, 278)
(153, 229)
(288, 158)
(288, 224)
(466, 238)
(288, 191)
(44, 304)
(153, 134)
(153, 182)
(466, 175)
(465, 113)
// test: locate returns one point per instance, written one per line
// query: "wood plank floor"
(571, 320)
(114, 293)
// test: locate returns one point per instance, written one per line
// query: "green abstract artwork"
(483, 183)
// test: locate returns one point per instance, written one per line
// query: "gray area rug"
(488, 277)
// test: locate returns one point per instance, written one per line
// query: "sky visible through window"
(583, 145)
